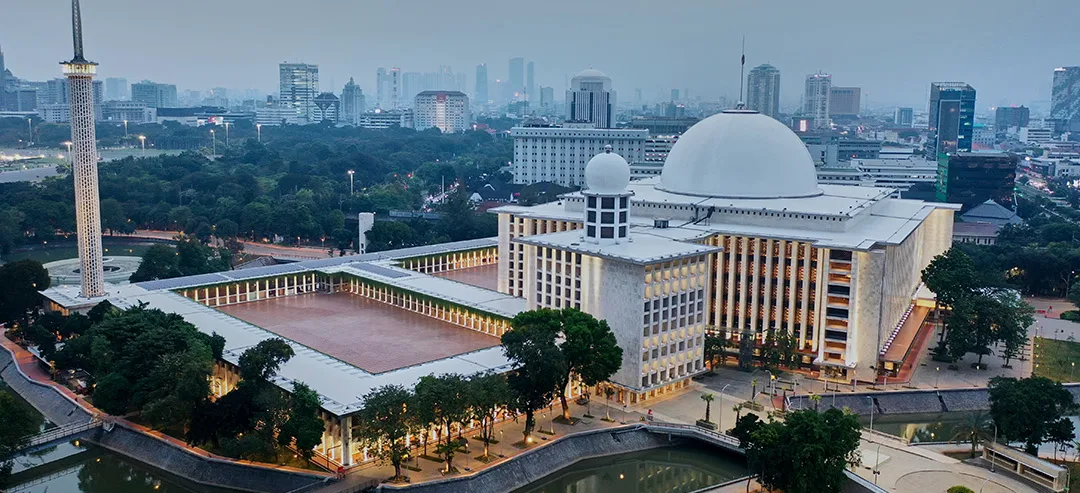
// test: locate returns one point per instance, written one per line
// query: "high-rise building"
(3, 82)
(327, 108)
(1065, 99)
(446, 110)
(84, 160)
(154, 95)
(816, 100)
(116, 89)
(414, 83)
(530, 82)
(952, 118)
(590, 99)
(516, 86)
(547, 97)
(481, 94)
(763, 90)
(388, 88)
(844, 101)
(352, 103)
(675, 95)
(55, 105)
(1006, 117)
(904, 117)
(299, 86)
(971, 178)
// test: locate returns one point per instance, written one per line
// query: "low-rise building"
(559, 154)
(380, 119)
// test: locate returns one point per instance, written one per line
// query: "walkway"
(251, 247)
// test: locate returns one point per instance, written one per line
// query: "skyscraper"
(904, 117)
(299, 86)
(327, 108)
(530, 82)
(446, 110)
(352, 103)
(547, 97)
(154, 95)
(481, 84)
(1065, 99)
(818, 90)
(952, 118)
(845, 101)
(590, 99)
(1006, 117)
(516, 78)
(388, 88)
(763, 90)
(84, 158)
(116, 89)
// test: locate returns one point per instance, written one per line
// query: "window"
(590, 231)
(607, 217)
(592, 202)
(623, 201)
(607, 202)
(607, 232)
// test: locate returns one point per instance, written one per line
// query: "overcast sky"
(893, 50)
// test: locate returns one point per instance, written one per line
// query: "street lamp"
(213, 137)
(720, 419)
(937, 379)
(258, 131)
(871, 417)
(30, 127)
(351, 173)
(227, 134)
(142, 140)
(68, 144)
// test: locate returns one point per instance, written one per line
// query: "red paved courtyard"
(370, 335)
(485, 276)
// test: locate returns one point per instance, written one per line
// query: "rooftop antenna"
(742, 68)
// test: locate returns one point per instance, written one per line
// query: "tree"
(18, 424)
(304, 427)
(950, 275)
(1074, 294)
(589, 350)
(746, 350)
(537, 364)
(261, 362)
(159, 262)
(975, 428)
(745, 426)
(981, 319)
(20, 283)
(1026, 410)
(383, 425)
(807, 452)
(489, 393)
(708, 398)
(714, 347)
(445, 400)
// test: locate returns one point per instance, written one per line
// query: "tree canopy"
(538, 367)
(805, 453)
(1027, 410)
(20, 283)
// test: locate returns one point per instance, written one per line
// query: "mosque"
(735, 237)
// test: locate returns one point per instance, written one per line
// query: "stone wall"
(535, 464)
(56, 407)
(909, 401)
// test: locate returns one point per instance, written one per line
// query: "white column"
(346, 441)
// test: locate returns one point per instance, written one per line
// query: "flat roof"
(368, 334)
(485, 276)
(641, 249)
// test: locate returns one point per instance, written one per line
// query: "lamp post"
(68, 144)
(1071, 371)
(871, 399)
(227, 134)
(877, 463)
(937, 379)
(213, 137)
(351, 189)
(142, 140)
(125, 129)
(993, 458)
(30, 128)
(720, 418)
(258, 131)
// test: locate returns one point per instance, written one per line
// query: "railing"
(726, 439)
(60, 432)
(44, 479)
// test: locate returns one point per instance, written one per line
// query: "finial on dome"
(607, 149)
(740, 105)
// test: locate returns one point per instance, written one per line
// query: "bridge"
(65, 432)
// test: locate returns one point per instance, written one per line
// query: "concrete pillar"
(346, 441)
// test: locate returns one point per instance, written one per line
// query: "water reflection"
(671, 469)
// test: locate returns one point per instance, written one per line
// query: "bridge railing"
(60, 432)
(726, 439)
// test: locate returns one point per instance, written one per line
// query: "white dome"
(740, 154)
(607, 173)
(591, 73)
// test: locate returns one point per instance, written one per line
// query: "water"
(671, 469)
(44, 423)
(943, 427)
(63, 250)
(87, 469)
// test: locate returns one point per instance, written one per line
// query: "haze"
(893, 50)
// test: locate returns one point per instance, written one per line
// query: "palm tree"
(608, 392)
(816, 398)
(708, 398)
(976, 427)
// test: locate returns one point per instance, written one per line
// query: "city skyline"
(893, 70)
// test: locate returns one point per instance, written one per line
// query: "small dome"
(607, 173)
(740, 154)
(591, 73)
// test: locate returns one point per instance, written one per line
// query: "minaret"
(80, 75)
(607, 200)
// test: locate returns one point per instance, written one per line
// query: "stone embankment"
(908, 401)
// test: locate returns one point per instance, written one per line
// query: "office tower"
(84, 159)
(352, 103)
(1065, 99)
(530, 82)
(299, 86)
(971, 178)
(637, 96)
(763, 90)
(547, 97)
(327, 108)
(446, 110)
(116, 89)
(154, 95)
(516, 79)
(844, 101)
(388, 88)
(3, 82)
(816, 99)
(952, 118)
(1006, 117)
(590, 99)
(904, 117)
(481, 84)
(674, 95)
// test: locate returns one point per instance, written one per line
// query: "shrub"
(1071, 315)
(960, 489)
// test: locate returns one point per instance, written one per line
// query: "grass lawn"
(1057, 359)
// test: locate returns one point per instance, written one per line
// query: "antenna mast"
(742, 68)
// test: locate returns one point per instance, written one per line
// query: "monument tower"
(80, 75)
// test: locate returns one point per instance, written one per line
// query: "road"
(251, 247)
(32, 174)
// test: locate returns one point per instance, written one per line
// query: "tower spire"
(76, 31)
(742, 68)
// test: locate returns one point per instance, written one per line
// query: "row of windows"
(664, 375)
(673, 348)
